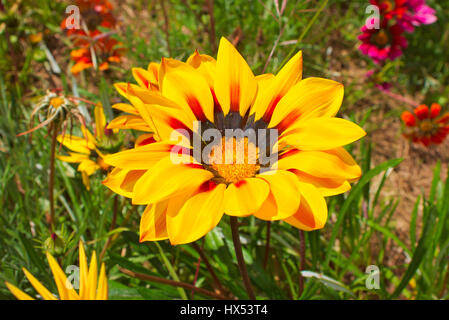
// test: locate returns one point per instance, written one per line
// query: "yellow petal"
(312, 212)
(268, 98)
(333, 164)
(234, 85)
(19, 294)
(199, 215)
(185, 86)
(83, 272)
(125, 108)
(284, 197)
(323, 134)
(86, 179)
(166, 180)
(122, 181)
(100, 120)
(102, 291)
(65, 289)
(163, 116)
(47, 295)
(76, 144)
(92, 278)
(326, 186)
(153, 225)
(246, 196)
(205, 65)
(129, 122)
(143, 77)
(144, 139)
(140, 158)
(309, 98)
(73, 157)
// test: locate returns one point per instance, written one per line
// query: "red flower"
(383, 43)
(426, 126)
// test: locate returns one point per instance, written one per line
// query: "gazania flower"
(417, 13)
(187, 183)
(90, 288)
(84, 150)
(426, 126)
(384, 43)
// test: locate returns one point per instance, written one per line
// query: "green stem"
(240, 259)
(172, 271)
(51, 180)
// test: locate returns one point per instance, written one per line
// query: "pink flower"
(418, 13)
(383, 43)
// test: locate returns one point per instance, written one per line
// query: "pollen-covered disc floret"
(233, 159)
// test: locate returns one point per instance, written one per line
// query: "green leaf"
(419, 253)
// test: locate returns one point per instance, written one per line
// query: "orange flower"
(94, 45)
(105, 49)
(426, 126)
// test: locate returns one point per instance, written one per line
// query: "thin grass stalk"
(303, 34)
(169, 282)
(267, 245)
(210, 9)
(166, 26)
(209, 268)
(302, 262)
(51, 180)
(113, 222)
(240, 259)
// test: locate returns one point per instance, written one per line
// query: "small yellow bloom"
(90, 287)
(85, 149)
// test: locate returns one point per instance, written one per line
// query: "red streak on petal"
(217, 107)
(193, 165)
(288, 120)
(268, 114)
(196, 108)
(147, 141)
(142, 78)
(207, 186)
(235, 97)
(240, 183)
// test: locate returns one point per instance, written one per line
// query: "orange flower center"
(56, 102)
(426, 126)
(381, 38)
(234, 159)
